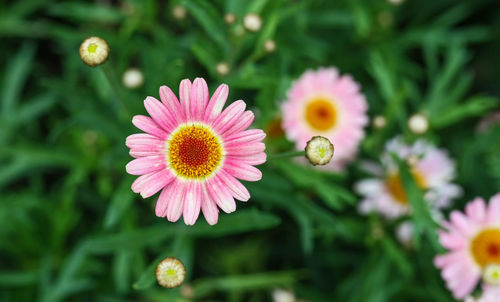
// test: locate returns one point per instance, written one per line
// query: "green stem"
(286, 154)
(109, 75)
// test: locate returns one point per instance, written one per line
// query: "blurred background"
(71, 229)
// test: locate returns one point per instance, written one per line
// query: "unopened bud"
(319, 150)
(94, 51)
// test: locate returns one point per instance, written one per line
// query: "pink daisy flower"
(193, 152)
(324, 103)
(473, 242)
(431, 167)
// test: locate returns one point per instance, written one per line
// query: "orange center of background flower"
(321, 115)
(194, 152)
(395, 186)
(486, 247)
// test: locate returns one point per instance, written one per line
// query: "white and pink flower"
(431, 168)
(473, 243)
(324, 103)
(194, 152)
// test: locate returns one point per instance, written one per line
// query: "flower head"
(324, 103)
(193, 152)
(282, 295)
(491, 274)
(94, 51)
(473, 243)
(431, 169)
(222, 68)
(319, 150)
(170, 272)
(179, 12)
(133, 78)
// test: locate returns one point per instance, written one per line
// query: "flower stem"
(287, 154)
(109, 75)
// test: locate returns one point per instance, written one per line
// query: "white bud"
(270, 45)
(252, 22)
(94, 51)
(395, 2)
(491, 274)
(222, 68)
(319, 150)
(404, 233)
(418, 123)
(170, 272)
(379, 121)
(281, 295)
(179, 12)
(132, 78)
(230, 18)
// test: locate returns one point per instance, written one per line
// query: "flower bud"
(379, 121)
(319, 150)
(179, 12)
(132, 78)
(94, 51)
(230, 18)
(170, 272)
(418, 123)
(270, 45)
(491, 274)
(252, 22)
(222, 68)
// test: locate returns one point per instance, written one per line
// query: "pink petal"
(452, 240)
(176, 193)
(172, 104)
(185, 95)
(252, 135)
(159, 114)
(242, 171)
(209, 207)
(216, 103)
(252, 159)
(476, 210)
(220, 195)
(151, 183)
(143, 141)
(462, 223)
(192, 202)
(198, 99)
(145, 165)
(161, 203)
(241, 123)
(229, 116)
(244, 149)
(237, 189)
(147, 125)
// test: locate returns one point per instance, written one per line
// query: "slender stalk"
(109, 75)
(286, 154)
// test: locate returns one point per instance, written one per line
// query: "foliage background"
(72, 230)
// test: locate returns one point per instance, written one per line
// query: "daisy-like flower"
(194, 152)
(324, 103)
(431, 168)
(170, 272)
(473, 243)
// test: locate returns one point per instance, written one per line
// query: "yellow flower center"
(170, 272)
(194, 151)
(395, 186)
(92, 48)
(485, 247)
(321, 114)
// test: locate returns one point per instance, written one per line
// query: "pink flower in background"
(473, 242)
(431, 168)
(193, 152)
(324, 103)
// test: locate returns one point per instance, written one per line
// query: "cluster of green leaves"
(72, 230)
